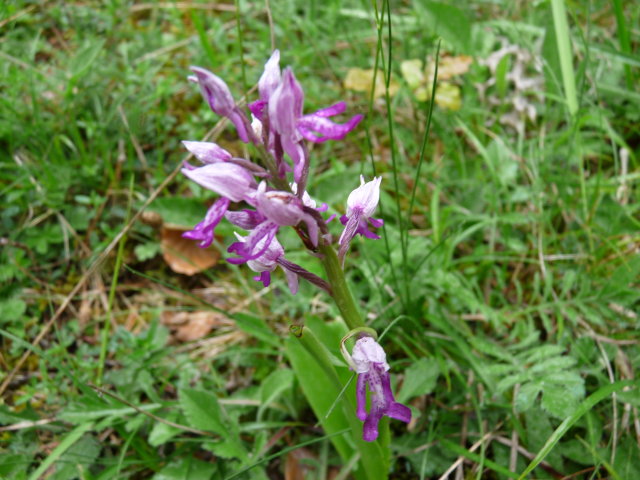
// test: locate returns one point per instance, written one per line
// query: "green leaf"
(146, 251)
(273, 386)
(161, 432)
(11, 309)
(448, 21)
(202, 411)
(562, 401)
(527, 396)
(179, 212)
(419, 379)
(258, 328)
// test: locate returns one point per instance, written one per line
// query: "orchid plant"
(262, 196)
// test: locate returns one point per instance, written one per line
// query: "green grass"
(507, 276)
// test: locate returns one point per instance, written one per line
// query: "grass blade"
(564, 52)
(64, 445)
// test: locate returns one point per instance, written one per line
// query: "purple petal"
(292, 280)
(361, 396)
(215, 91)
(316, 128)
(241, 123)
(207, 152)
(204, 231)
(270, 79)
(365, 198)
(255, 244)
(336, 109)
(399, 412)
(376, 222)
(370, 428)
(285, 105)
(226, 179)
(264, 277)
(245, 219)
(347, 235)
(257, 108)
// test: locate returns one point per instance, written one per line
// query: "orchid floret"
(372, 368)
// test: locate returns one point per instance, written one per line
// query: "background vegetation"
(508, 271)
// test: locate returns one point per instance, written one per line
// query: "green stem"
(341, 293)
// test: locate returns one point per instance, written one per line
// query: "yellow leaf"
(449, 67)
(361, 80)
(412, 73)
(448, 96)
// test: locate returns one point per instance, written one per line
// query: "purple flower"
(272, 256)
(218, 96)
(275, 209)
(285, 209)
(231, 182)
(361, 204)
(204, 231)
(286, 120)
(370, 362)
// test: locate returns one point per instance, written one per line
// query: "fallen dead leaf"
(361, 80)
(190, 326)
(295, 467)
(449, 67)
(184, 255)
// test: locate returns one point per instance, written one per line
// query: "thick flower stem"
(341, 293)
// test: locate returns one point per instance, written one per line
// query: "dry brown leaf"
(184, 255)
(293, 468)
(190, 326)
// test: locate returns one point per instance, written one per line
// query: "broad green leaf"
(161, 432)
(561, 400)
(273, 386)
(448, 21)
(202, 411)
(419, 379)
(11, 309)
(527, 396)
(179, 211)
(257, 328)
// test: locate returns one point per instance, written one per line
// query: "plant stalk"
(340, 290)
